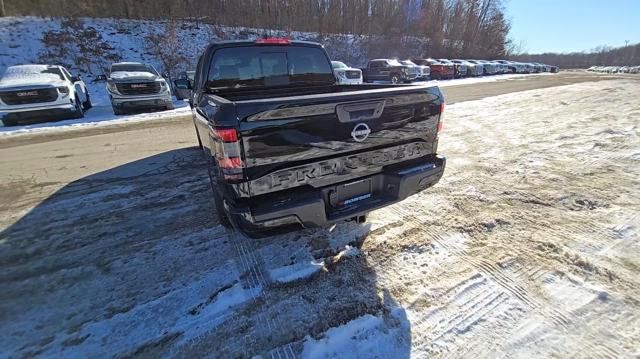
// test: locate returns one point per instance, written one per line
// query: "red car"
(439, 71)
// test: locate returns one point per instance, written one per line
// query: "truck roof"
(234, 43)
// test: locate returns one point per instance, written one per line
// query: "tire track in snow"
(256, 280)
(489, 270)
(511, 284)
(464, 305)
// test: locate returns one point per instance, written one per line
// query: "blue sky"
(573, 25)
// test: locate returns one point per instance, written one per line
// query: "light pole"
(2, 8)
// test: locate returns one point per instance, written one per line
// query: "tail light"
(273, 41)
(440, 125)
(228, 153)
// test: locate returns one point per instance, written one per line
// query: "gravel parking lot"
(528, 247)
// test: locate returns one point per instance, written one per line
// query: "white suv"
(346, 75)
(34, 93)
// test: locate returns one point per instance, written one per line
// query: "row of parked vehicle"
(50, 92)
(615, 69)
(422, 69)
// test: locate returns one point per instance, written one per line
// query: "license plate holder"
(349, 194)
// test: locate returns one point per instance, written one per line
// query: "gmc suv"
(289, 147)
(134, 86)
(30, 93)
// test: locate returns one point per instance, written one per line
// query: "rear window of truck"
(265, 66)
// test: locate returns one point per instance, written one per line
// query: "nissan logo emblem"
(360, 132)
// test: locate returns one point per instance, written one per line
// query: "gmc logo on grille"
(27, 93)
(138, 86)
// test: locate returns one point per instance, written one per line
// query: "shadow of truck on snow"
(130, 261)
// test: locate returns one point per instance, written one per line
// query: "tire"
(79, 113)
(169, 107)
(117, 111)
(87, 104)
(435, 76)
(221, 215)
(395, 79)
(198, 135)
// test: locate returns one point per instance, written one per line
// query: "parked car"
(530, 68)
(512, 66)
(36, 93)
(292, 148)
(439, 71)
(491, 67)
(500, 68)
(346, 75)
(388, 70)
(136, 86)
(488, 68)
(459, 70)
(181, 93)
(540, 67)
(424, 72)
(472, 69)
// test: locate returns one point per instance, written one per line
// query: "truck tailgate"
(322, 139)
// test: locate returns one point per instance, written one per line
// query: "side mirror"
(75, 78)
(183, 84)
(101, 78)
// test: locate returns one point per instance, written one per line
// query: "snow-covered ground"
(528, 247)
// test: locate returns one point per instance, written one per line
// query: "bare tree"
(167, 47)
(452, 27)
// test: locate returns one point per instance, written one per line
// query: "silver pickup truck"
(136, 86)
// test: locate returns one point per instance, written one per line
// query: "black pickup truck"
(389, 70)
(287, 146)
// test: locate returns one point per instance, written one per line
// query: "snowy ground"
(528, 247)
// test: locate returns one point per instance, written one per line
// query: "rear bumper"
(312, 208)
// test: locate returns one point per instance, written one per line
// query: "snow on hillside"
(21, 41)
